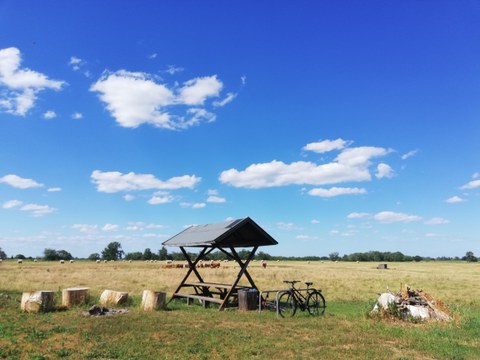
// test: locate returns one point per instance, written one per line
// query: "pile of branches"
(411, 303)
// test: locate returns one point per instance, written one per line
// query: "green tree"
(163, 253)
(50, 254)
(64, 255)
(147, 254)
(113, 251)
(3, 256)
(470, 257)
(137, 255)
(94, 257)
(334, 256)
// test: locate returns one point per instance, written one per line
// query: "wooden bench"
(199, 297)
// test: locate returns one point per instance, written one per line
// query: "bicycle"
(293, 299)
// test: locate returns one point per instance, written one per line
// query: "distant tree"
(470, 257)
(50, 254)
(334, 256)
(147, 254)
(64, 255)
(417, 258)
(3, 256)
(263, 256)
(20, 256)
(113, 251)
(94, 257)
(137, 255)
(163, 253)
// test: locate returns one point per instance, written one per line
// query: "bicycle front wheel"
(286, 305)
(316, 303)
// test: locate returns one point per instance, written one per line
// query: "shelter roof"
(233, 233)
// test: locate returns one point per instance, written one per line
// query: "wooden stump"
(38, 301)
(153, 300)
(74, 296)
(248, 299)
(111, 297)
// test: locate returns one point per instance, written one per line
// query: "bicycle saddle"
(308, 283)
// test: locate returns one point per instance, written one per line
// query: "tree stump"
(111, 297)
(38, 301)
(74, 296)
(248, 299)
(153, 300)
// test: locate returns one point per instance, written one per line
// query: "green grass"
(193, 332)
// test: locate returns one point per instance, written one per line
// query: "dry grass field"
(193, 332)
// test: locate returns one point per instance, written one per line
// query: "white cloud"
(110, 227)
(172, 69)
(229, 98)
(243, 79)
(11, 204)
(193, 205)
(49, 115)
(306, 237)
(336, 191)
(196, 91)
(152, 56)
(38, 210)
(476, 175)
(114, 181)
(350, 165)
(437, 221)
(22, 84)
(315, 221)
(454, 199)
(216, 199)
(409, 154)
(155, 200)
(384, 171)
(129, 197)
(135, 98)
(77, 116)
(212, 192)
(85, 228)
(358, 215)
(18, 182)
(288, 226)
(388, 217)
(54, 189)
(471, 185)
(326, 146)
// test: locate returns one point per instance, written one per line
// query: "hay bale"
(382, 266)
(74, 296)
(38, 301)
(153, 300)
(111, 297)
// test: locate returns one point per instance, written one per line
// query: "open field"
(193, 332)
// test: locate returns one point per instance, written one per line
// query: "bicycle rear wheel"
(316, 303)
(286, 305)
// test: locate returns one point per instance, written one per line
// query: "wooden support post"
(38, 301)
(153, 300)
(74, 296)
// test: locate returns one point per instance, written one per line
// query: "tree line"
(113, 251)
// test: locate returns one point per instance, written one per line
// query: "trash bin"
(248, 299)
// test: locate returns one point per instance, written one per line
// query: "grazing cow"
(264, 264)
(214, 264)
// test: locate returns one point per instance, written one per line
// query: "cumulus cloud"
(38, 210)
(128, 197)
(54, 189)
(437, 221)
(49, 115)
(216, 199)
(19, 182)
(454, 199)
(315, 221)
(155, 200)
(21, 85)
(358, 215)
(336, 191)
(110, 227)
(77, 116)
(136, 98)
(384, 171)
(306, 237)
(172, 69)
(409, 154)
(287, 226)
(351, 165)
(114, 181)
(471, 185)
(11, 204)
(326, 145)
(85, 228)
(193, 205)
(387, 217)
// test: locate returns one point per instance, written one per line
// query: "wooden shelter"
(225, 237)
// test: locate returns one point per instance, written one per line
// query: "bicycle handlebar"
(291, 281)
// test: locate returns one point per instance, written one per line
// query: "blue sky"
(337, 126)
